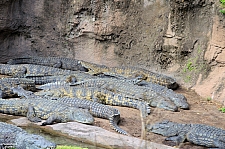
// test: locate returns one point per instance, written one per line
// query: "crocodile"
(21, 70)
(43, 79)
(96, 109)
(96, 82)
(12, 136)
(30, 71)
(179, 99)
(54, 85)
(102, 96)
(57, 62)
(52, 111)
(135, 91)
(7, 83)
(199, 134)
(131, 72)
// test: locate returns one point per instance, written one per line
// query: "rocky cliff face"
(183, 38)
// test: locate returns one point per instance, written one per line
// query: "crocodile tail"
(113, 121)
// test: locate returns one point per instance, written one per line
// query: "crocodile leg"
(23, 93)
(31, 115)
(177, 139)
(58, 64)
(52, 119)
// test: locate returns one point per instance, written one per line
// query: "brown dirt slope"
(201, 111)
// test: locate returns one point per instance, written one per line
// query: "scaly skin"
(131, 72)
(133, 91)
(57, 62)
(7, 83)
(198, 134)
(178, 99)
(102, 96)
(96, 109)
(14, 137)
(42, 79)
(53, 85)
(52, 111)
(96, 82)
(28, 69)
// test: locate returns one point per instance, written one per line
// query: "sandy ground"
(201, 111)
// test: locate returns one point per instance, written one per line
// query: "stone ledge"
(97, 136)
(103, 137)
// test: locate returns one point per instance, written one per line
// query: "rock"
(99, 136)
(23, 121)
(95, 135)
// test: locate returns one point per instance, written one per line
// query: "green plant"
(208, 98)
(223, 2)
(222, 11)
(190, 67)
(222, 109)
(223, 6)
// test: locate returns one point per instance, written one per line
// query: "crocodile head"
(164, 128)
(181, 101)
(82, 116)
(164, 103)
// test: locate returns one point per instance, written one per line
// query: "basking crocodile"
(12, 136)
(29, 71)
(131, 72)
(57, 62)
(198, 134)
(96, 82)
(99, 95)
(96, 109)
(43, 79)
(7, 83)
(134, 91)
(21, 70)
(179, 99)
(52, 111)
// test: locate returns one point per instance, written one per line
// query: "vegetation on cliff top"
(223, 6)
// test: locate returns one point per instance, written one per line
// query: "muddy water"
(58, 139)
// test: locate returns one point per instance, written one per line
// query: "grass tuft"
(222, 109)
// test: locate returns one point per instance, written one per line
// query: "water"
(57, 138)
(49, 134)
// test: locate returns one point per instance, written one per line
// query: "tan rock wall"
(214, 85)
